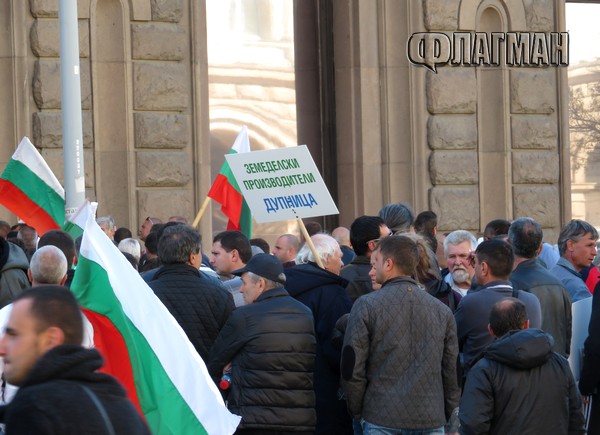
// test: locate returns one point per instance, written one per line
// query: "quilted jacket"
(200, 305)
(399, 358)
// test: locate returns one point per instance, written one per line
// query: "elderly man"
(45, 331)
(400, 350)
(525, 236)
(323, 291)
(459, 245)
(268, 347)
(199, 304)
(577, 249)
(493, 262)
(520, 385)
(286, 249)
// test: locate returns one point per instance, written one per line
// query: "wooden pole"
(201, 212)
(310, 243)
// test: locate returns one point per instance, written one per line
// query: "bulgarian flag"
(30, 190)
(76, 223)
(225, 191)
(143, 346)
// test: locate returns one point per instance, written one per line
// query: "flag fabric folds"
(143, 345)
(30, 190)
(226, 191)
(76, 223)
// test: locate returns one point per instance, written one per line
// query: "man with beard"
(458, 248)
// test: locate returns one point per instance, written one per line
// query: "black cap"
(264, 265)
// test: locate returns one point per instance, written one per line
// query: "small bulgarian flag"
(76, 223)
(225, 191)
(144, 346)
(30, 190)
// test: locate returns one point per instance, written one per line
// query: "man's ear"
(235, 255)
(490, 330)
(29, 275)
(52, 337)
(75, 260)
(569, 245)
(526, 324)
(63, 280)
(485, 269)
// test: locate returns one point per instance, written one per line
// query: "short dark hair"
(177, 243)
(575, 230)
(313, 228)
(498, 255)
(363, 230)
(507, 315)
(497, 227)
(262, 244)
(525, 235)
(122, 233)
(55, 305)
(151, 242)
(231, 240)
(402, 250)
(63, 241)
(425, 222)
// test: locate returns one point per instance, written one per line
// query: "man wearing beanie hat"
(268, 348)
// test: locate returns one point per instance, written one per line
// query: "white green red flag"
(225, 190)
(143, 345)
(76, 223)
(30, 190)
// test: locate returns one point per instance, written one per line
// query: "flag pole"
(311, 245)
(201, 212)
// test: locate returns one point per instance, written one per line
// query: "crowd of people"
(385, 327)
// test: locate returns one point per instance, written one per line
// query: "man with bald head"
(48, 266)
(342, 236)
(286, 249)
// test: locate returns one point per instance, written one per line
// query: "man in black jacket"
(520, 385)
(525, 235)
(199, 304)
(268, 346)
(60, 388)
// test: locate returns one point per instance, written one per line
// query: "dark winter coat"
(13, 272)
(357, 274)
(589, 380)
(521, 387)
(324, 293)
(52, 401)
(555, 302)
(200, 305)
(441, 290)
(271, 345)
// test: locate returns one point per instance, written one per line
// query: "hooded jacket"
(325, 294)
(52, 401)
(13, 268)
(521, 386)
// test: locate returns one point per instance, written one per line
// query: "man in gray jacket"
(400, 349)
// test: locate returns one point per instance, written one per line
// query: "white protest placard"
(281, 184)
(581, 312)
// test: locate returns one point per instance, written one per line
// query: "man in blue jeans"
(400, 350)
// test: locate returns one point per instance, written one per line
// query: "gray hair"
(269, 284)
(177, 243)
(131, 246)
(106, 222)
(48, 265)
(398, 217)
(325, 245)
(457, 237)
(575, 230)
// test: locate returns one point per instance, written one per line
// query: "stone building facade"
(471, 144)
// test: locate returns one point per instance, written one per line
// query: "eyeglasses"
(391, 233)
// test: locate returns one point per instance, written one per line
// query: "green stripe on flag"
(36, 189)
(165, 409)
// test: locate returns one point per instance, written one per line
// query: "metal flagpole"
(74, 178)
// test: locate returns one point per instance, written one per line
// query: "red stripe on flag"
(109, 342)
(20, 204)
(230, 200)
